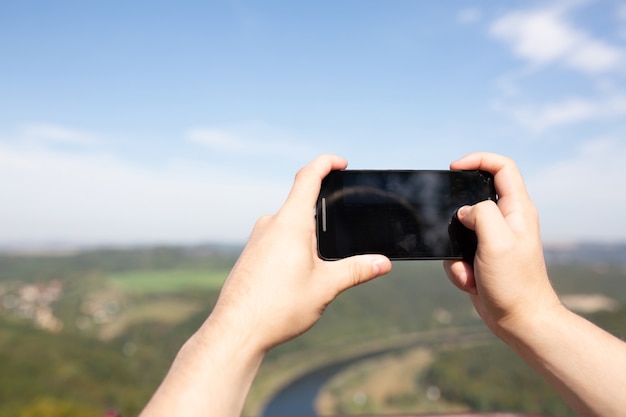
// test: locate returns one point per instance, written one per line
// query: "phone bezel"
(462, 248)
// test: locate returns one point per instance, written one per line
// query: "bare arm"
(277, 290)
(510, 289)
(585, 364)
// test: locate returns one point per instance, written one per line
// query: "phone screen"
(400, 214)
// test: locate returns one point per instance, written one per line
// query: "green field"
(167, 281)
(120, 316)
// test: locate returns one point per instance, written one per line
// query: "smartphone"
(401, 214)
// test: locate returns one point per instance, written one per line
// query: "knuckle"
(354, 273)
(262, 222)
(484, 209)
(509, 161)
(533, 213)
(303, 173)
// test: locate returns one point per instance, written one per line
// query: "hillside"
(91, 330)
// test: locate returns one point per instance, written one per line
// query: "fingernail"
(377, 265)
(462, 211)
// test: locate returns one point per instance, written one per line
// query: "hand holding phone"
(400, 214)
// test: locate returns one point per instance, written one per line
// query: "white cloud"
(621, 11)
(536, 36)
(621, 15)
(467, 16)
(49, 196)
(52, 133)
(565, 112)
(545, 36)
(583, 198)
(594, 56)
(218, 139)
(251, 139)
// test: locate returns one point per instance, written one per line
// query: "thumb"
(484, 218)
(355, 270)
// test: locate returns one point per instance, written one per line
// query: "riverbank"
(276, 375)
(390, 384)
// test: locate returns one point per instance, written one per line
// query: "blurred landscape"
(182, 122)
(84, 331)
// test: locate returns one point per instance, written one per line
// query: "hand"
(277, 290)
(508, 282)
(279, 287)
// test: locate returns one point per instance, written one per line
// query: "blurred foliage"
(71, 369)
(493, 377)
(84, 370)
(51, 407)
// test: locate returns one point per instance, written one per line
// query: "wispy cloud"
(580, 197)
(252, 139)
(54, 133)
(219, 139)
(545, 36)
(621, 12)
(467, 16)
(566, 112)
(49, 195)
(621, 15)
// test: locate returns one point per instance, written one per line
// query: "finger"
(306, 186)
(507, 177)
(350, 272)
(486, 220)
(461, 274)
(483, 217)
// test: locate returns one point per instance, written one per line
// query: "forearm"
(585, 364)
(210, 376)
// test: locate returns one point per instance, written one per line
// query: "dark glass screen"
(401, 214)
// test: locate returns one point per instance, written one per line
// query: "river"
(298, 397)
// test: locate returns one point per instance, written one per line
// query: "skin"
(510, 289)
(279, 288)
(509, 277)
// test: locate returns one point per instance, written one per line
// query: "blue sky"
(183, 122)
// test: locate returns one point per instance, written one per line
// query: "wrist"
(191, 384)
(226, 339)
(533, 327)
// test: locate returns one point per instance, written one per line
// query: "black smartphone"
(401, 214)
